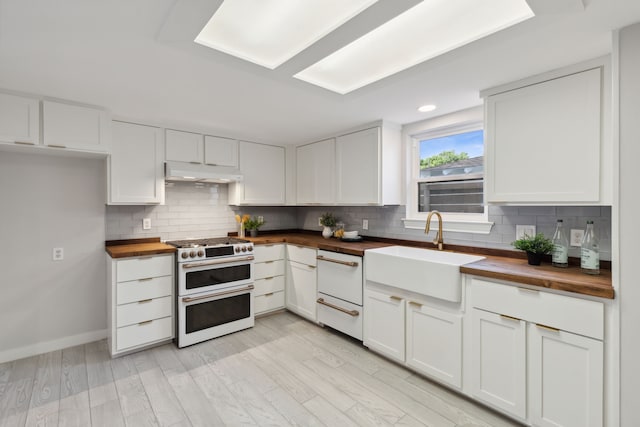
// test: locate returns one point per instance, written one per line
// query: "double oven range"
(214, 282)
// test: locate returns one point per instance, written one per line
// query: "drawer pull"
(504, 316)
(24, 143)
(269, 262)
(56, 146)
(196, 163)
(352, 313)
(144, 301)
(211, 164)
(269, 294)
(268, 278)
(416, 304)
(146, 279)
(146, 322)
(395, 298)
(531, 291)
(337, 261)
(312, 266)
(548, 328)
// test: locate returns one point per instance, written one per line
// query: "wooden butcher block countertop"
(505, 265)
(137, 247)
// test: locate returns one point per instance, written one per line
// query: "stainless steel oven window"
(218, 275)
(205, 315)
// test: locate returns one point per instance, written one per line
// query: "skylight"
(429, 29)
(270, 32)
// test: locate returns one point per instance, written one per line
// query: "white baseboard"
(47, 346)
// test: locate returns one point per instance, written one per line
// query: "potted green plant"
(253, 224)
(328, 221)
(535, 247)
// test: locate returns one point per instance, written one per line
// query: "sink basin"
(424, 271)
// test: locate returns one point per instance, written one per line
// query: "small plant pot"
(534, 259)
(254, 233)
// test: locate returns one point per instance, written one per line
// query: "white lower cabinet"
(301, 281)
(269, 281)
(384, 317)
(140, 302)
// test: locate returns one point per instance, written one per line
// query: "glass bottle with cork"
(560, 255)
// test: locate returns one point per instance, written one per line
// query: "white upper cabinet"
(263, 170)
(315, 172)
(547, 142)
(220, 151)
(136, 174)
(184, 146)
(75, 127)
(19, 120)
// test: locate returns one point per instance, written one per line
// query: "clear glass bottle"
(560, 256)
(590, 251)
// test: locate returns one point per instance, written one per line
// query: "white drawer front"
(136, 312)
(136, 334)
(338, 279)
(271, 284)
(350, 324)
(142, 268)
(137, 290)
(302, 255)
(264, 253)
(268, 302)
(262, 270)
(580, 316)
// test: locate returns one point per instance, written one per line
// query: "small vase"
(254, 233)
(534, 259)
(327, 232)
(241, 231)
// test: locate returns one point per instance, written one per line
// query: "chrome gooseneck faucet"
(438, 241)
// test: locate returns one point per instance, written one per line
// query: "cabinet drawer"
(262, 270)
(143, 268)
(268, 302)
(136, 312)
(302, 255)
(264, 253)
(580, 316)
(139, 334)
(338, 319)
(270, 284)
(340, 275)
(137, 290)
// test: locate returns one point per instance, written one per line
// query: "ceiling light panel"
(270, 32)
(425, 31)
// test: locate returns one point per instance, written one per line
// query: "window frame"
(461, 122)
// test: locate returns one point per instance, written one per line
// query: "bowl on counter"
(350, 235)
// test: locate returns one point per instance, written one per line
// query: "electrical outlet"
(319, 221)
(576, 237)
(58, 254)
(365, 224)
(260, 218)
(521, 230)
(146, 224)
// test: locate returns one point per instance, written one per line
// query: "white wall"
(48, 202)
(629, 293)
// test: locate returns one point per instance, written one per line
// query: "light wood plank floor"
(284, 371)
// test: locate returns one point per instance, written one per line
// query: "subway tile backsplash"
(201, 210)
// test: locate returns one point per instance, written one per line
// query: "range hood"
(194, 172)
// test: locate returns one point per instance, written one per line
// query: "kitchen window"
(447, 172)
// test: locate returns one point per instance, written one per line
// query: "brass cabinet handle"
(269, 262)
(548, 328)
(144, 301)
(417, 304)
(337, 261)
(146, 279)
(211, 164)
(352, 313)
(146, 322)
(395, 298)
(56, 146)
(196, 163)
(269, 294)
(533, 291)
(504, 316)
(311, 266)
(24, 143)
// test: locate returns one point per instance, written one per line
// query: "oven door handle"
(217, 294)
(217, 262)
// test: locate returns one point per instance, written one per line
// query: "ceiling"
(138, 59)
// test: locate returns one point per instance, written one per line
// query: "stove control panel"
(201, 253)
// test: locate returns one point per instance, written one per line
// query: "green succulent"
(253, 223)
(537, 244)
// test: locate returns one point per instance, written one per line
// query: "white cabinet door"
(301, 289)
(220, 151)
(566, 378)
(498, 375)
(544, 141)
(19, 119)
(384, 328)
(183, 146)
(315, 165)
(434, 342)
(262, 167)
(135, 166)
(75, 127)
(358, 162)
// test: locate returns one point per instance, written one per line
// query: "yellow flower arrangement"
(242, 220)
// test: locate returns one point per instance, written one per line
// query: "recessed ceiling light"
(425, 31)
(426, 108)
(270, 32)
